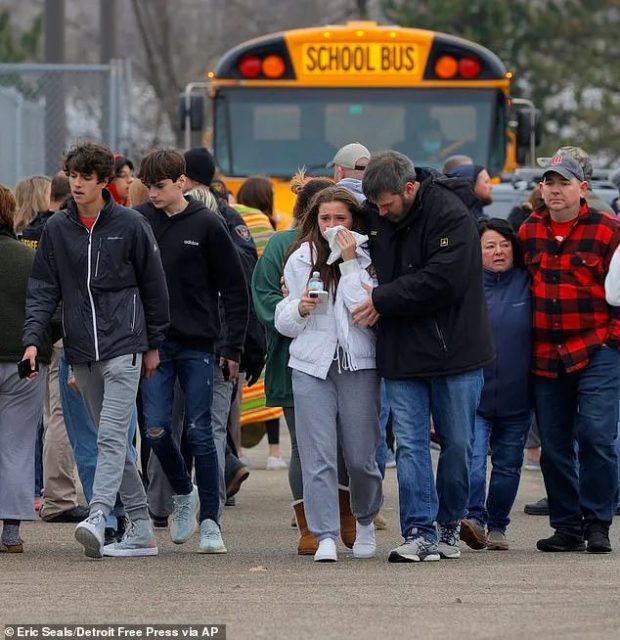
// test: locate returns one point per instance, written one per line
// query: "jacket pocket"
(440, 336)
(585, 269)
(132, 325)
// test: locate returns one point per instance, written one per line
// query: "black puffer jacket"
(430, 295)
(111, 282)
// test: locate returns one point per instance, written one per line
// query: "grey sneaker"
(139, 540)
(211, 538)
(448, 544)
(90, 533)
(473, 533)
(497, 541)
(415, 549)
(183, 521)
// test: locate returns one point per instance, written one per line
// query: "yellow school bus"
(292, 99)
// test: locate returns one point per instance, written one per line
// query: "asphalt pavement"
(262, 589)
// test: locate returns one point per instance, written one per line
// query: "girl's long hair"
(33, 196)
(310, 232)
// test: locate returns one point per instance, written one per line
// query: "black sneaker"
(230, 502)
(75, 514)
(560, 542)
(540, 508)
(597, 536)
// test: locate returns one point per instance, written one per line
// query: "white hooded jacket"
(319, 339)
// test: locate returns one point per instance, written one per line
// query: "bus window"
(275, 132)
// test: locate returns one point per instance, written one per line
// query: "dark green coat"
(15, 264)
(266, 293)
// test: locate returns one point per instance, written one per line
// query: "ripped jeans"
(194, 369)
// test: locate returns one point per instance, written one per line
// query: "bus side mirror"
(529, 122)
(195, 112)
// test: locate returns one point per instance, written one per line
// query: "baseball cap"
(572, 152)
(349, 155)
(565, 166)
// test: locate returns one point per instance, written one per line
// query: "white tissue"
(330, 236)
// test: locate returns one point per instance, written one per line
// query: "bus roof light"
(469, 68)
(250, 67)
(446, 67)
(273, 66)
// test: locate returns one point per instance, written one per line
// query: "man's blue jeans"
(194, 369)
(452, 401)
(507, 437)
(582, 407)
(82, 434)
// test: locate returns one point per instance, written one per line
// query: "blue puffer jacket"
(506, 392)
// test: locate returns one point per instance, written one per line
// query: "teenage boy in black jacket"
(432, 342)
(102, 262)
(202, 265)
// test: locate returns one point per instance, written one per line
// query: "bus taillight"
(469, 68)
(446, 67)
(250, 67)
(273, 67)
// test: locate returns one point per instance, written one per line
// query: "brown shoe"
(497, 541)
(473, 534)
(347, 519)
(12, 548)
(307, 544)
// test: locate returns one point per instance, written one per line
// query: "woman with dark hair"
(21, 400)
(335, 383)
(120, 184)
(504, 414)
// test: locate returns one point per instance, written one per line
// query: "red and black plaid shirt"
(571, 317)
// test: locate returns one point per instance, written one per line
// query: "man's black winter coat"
(430, 294)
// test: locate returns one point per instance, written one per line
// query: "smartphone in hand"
(24, 369)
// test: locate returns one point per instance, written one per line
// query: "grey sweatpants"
(109, 390)
(21, 405)
(345, 408)
(295, 480)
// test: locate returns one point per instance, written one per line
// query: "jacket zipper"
(90, 293)
(62, 320)
(133, 316)
(441, 339)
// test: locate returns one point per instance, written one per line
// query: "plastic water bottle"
(315, 283)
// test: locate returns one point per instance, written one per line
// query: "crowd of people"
(139, 302)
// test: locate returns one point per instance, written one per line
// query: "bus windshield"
(276, 131)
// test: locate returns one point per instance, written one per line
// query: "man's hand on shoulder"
(365, 315)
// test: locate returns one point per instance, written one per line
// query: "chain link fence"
(44, 108)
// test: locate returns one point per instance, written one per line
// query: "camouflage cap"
(572, 152)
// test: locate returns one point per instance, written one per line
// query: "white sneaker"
(365, 545)
(90, 533)
(326, 551)
(276, 462)
(139, 540)
(211, 538)
(183, 521)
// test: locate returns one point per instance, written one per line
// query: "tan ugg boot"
(307, 544)
(347, 519)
